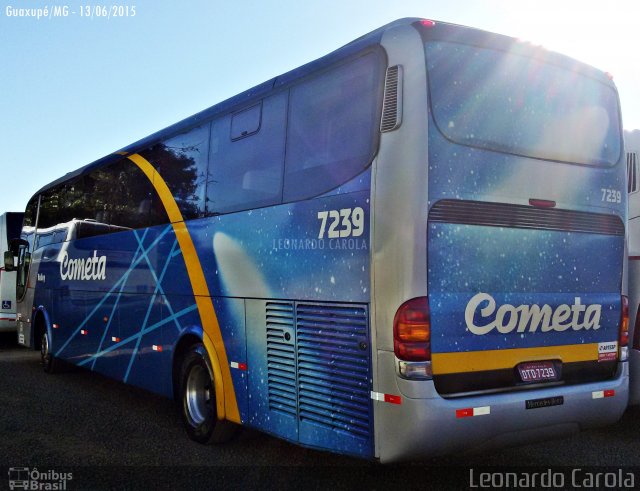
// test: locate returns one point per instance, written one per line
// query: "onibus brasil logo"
(522, 318)
(33, 479)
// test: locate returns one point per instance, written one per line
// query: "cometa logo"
(528, 318)
(92, 268)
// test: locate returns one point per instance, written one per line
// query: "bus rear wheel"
(49, 362)
(198, 399)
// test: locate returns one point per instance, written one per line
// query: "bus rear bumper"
(425, 424)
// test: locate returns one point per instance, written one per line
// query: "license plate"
(538, 371)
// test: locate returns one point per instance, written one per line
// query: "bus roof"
(250, 96)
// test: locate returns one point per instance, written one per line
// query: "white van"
(10, 225)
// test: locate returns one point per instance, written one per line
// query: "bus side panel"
(304, 250)
(276, 415)
(124, 319)
(98, 330)
(140, 321)
(231, 318)
(307, 291)
(68, 312)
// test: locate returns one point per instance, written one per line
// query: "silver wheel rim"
(44, 350)
(198, 394)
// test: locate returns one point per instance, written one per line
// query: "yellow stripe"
(225, 394)
(476, 361)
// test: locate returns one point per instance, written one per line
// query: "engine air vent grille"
(333, 367)
(392, 104)
(521, 216)
(281, 363)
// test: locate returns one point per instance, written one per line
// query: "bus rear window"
(515, 104)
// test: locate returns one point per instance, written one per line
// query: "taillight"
(412, 331)
(623, 340)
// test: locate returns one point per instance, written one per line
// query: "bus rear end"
(519, 329)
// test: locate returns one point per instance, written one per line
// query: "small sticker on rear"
(6, 305)
(608, 351)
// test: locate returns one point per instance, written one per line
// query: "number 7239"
(347, 222)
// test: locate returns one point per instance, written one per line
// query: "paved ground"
(109, 433)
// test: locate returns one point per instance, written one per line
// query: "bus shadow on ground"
(8, 340)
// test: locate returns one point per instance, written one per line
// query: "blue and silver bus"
(412, 246)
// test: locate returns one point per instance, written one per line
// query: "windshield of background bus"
(515, 104)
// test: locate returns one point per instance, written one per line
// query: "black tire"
(49, 362)
(198, 399)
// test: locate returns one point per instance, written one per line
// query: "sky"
(74, 89)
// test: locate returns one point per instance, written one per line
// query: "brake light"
(623, 340)
(412, 331)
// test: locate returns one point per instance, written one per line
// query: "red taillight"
(624, 323)
(428, 23)
(412, 331)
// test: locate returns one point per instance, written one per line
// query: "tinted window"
(45, 239)
(56, 207)
(109, 199)
(181, 161)
(247, 173)
(512, 103)
(52, 207)
(29, 221)
(30, 213)
(246, 122)
(122, 196)
(332, 129)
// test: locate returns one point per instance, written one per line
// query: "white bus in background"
(632, 145)
(10, 226)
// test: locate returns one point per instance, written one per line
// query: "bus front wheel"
(49, 362)
(198, 399)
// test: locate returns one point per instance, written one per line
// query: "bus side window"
(246, 172)
(246, 122)
(120, 197)
(182, 162)
(332, 130)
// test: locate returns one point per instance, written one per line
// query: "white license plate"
(537, 371)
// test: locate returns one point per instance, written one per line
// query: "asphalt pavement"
(111, 435)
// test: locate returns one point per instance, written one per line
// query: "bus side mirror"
(9, 261)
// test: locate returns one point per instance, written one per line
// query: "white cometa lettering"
(530, 317)
(90, 268)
